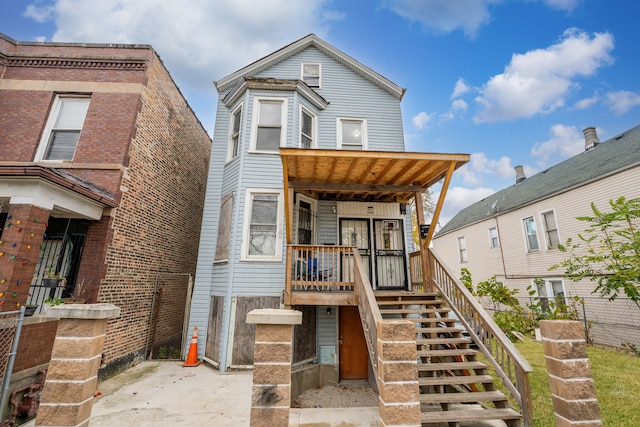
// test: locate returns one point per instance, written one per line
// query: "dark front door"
(352, 345)
(390, 261)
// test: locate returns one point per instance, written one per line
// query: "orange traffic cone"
(192, 357)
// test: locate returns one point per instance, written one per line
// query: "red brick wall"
(36, 342)
(156, 228)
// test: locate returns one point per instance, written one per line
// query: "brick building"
(103, 167)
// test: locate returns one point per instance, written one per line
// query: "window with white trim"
(263, 226)
(550, 293)
(62, 132)
(493, 237)
(462, 249)
(269, 130)
(352, 134)
(307, 129)
(311, 74)
(531, 234)
(550, 229)
(234, 134)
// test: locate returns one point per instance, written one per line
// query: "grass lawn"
(617, 380)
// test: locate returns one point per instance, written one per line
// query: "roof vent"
(520, 176)
(590, 138)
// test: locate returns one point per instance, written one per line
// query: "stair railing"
(508, 363)
(368, 307)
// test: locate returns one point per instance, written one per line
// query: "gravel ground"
(339, 397)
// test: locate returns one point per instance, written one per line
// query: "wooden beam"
(288, 202)
(322, 298)
(424, 247)
(354, 188)
(443, 192)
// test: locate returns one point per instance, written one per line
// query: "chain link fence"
(10, 326)
(608, 323)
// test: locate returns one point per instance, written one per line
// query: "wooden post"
(426, 268)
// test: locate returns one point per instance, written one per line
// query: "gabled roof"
(298, 46)
(612, 156)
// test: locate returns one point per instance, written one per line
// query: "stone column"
(72, 377)
(398, 374)
(271, 392)
(572, 388)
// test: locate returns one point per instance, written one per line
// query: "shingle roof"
(612, 156)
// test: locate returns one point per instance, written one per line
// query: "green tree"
(608, 251)
(465, 278)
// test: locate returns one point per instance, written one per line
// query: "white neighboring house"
(514, 233)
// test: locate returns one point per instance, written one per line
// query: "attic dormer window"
(311, 74)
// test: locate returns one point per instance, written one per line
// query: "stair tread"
(456, 352)
(385, 310)
(430, 341)
(424, 367)
(439, 329)
(446, 320)
(458, 379)
(471, 397)
(469, 414)
(404, 294)
(409, 302)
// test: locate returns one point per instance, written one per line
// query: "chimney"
(590, 138)
(520, 176)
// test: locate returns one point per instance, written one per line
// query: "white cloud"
(585, 103)
(421, 119)
(445, 15)
(538, 81)
(564, 142)
(199, 41)
(458, 198)
(622, 101)
(480, 164)
(566, 5)
(460, 89)
(458, 105)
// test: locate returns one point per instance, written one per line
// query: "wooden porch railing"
(509, 365)
(415, 272)
(319, 267)
(368, 307)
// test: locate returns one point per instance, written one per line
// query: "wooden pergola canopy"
(380, 176)
(367, 176)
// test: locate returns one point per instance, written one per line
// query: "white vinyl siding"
(531, 234)
(311, 74)
(270, 124)
(550, 229)
(62, 132)
(307, 129)
(263, 225)
(352, 134)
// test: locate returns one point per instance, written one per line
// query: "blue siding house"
(308, 200)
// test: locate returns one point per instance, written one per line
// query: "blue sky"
(510, 82)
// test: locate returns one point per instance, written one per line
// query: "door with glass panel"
(390, 261)
(355, 232)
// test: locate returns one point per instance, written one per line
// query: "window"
(550, 293)
(263, 226)
(224, 227)
(307, 129)
(352, 134)
(270, 130)
(62, 131)
(493, 237)
(311, 74)
(531, 234)
(462, 249)
(550, 229)
(234, 134)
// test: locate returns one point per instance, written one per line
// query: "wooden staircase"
(454, 385)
